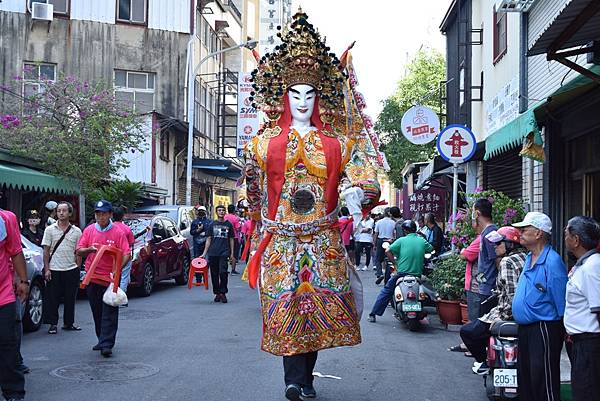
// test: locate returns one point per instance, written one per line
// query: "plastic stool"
(117, 258)
(198, 266)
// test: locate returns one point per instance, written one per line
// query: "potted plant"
(448, 280)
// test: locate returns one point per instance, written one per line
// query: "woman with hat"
(32, 232)
(510, 258)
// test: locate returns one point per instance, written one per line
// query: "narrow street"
(178, 345)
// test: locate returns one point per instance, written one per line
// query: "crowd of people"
(514, 266)
(65, 247)
(514, 274)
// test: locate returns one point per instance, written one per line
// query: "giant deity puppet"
(296, 168)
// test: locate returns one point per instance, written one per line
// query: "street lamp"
(250, 44)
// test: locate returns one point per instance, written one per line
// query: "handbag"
(114, 298)
(356, 286)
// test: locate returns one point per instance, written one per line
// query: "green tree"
(419, 86)
(118, 192)
(72, 128)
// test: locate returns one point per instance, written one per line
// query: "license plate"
(411, 306)
(505, 378)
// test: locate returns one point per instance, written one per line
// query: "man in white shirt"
(384, 231)
(61, 269)
(582, 310)
(363, 239)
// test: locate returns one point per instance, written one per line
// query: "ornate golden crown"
(301, 58)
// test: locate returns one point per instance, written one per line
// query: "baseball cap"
(51, 205)
(200, 207)
(103, 206)
(537, 220)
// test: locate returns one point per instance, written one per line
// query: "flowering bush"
(73, 128)
(505, 211)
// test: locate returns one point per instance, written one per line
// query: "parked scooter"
(502, 353)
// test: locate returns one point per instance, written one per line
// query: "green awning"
(512, 134)
(25, 178)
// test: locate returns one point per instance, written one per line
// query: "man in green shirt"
(409, 253)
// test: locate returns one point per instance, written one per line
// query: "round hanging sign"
(420, 125)
(456, 143)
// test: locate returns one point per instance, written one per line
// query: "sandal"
(468, 354)
(72, 327)
(52, 329)
(458, 348)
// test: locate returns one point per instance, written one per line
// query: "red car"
(160, 252)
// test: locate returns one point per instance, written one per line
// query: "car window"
(158, 228)
(170, 228)
(137, 225)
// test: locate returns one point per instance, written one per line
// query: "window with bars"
(205, 111)
(60, 6)
(132, 11)
(500, 35)
(135, 89)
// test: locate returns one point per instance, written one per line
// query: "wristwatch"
(25, 282)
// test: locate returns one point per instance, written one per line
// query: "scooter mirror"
(385, 245)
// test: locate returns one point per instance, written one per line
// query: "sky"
(387, 32)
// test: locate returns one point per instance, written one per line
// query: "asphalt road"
(187, 348)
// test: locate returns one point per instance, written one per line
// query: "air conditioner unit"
(42, 11)
(517, 6)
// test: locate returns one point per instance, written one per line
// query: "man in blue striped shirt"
(538, 306)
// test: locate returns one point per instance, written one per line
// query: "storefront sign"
(247, 121)
(432, 200)
(456, 143)
(420, 125)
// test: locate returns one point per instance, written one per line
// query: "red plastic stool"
(199, 266)
(117, 257)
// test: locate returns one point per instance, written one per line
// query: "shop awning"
(512, 134)
(25, 178)
(218, 168)
(576, 25)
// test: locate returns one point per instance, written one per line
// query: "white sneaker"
(365, 268)
(480, 368)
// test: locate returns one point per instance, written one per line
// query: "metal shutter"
(504, 173)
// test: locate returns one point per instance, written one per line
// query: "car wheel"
(182, 279)
(32, 318)
(147, 280)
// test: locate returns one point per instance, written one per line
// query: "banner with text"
(248, 120)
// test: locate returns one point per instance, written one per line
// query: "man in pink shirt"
(12, 381)
(237, 227)
(103, 232)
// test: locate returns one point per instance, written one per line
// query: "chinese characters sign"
(456, 143)
(420, 125)
(248, 121)
(271, 15)
(432, 200)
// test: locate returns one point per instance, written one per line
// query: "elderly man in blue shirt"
(538, 307)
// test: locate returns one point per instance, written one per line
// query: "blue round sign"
(456, 143)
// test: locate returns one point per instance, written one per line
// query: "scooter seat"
(504, 329)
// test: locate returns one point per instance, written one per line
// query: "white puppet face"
(302, 100)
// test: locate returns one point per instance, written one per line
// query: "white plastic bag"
(356, 286)
(114, 298)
